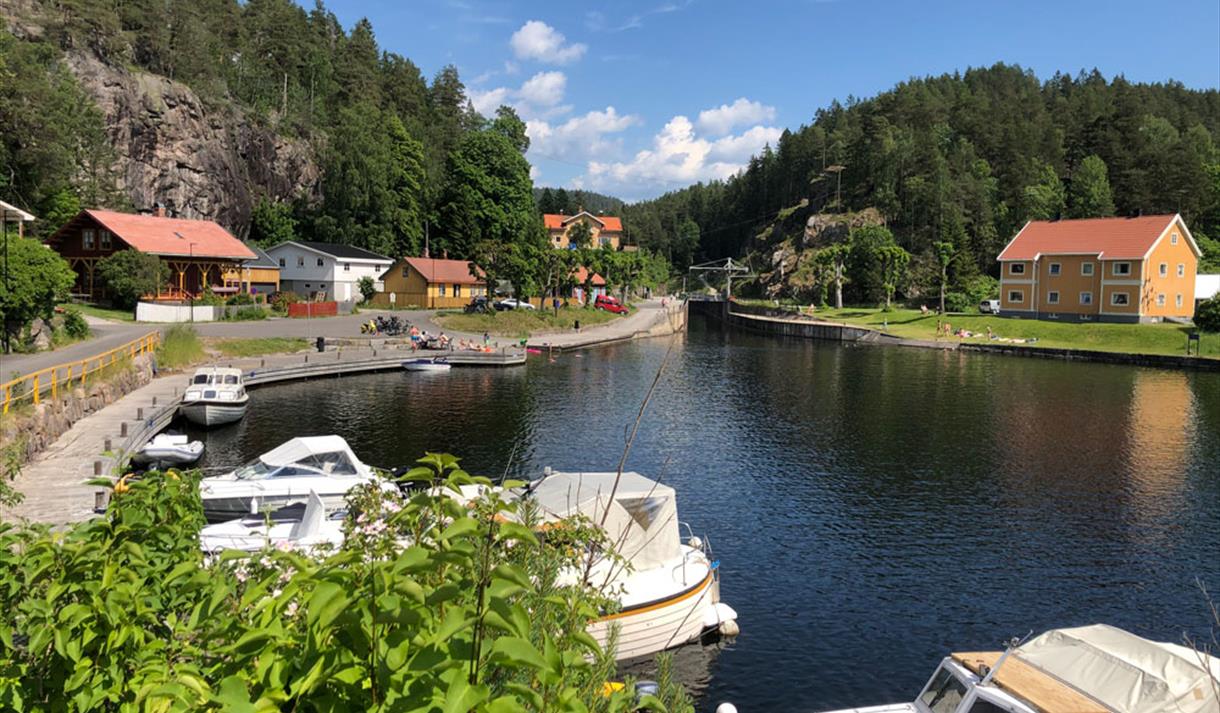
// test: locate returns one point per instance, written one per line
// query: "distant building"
(431, 283)
(1206, 287)
(1107, 269)
(597, 284)
(199, 253)
(607, 231)
(258, 276)
(327, 270)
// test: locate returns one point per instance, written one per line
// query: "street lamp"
(189, 263)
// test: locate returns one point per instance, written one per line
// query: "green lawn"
(257, 347)
(1135, 338)
(522, 323)
(117, 315)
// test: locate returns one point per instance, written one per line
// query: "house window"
(301, 262)
(88, 239)
(1016, 296)
(347, 267)
(1164, 269)
(319, 262)
(1055, 269)
(106, 240)
(457, 290)
(308, 286)
(1173, 238)
(1052, 298)
(1119, 299)
(440, 289)
(1086, 298)
(405, 271)
(1086, 269)
(281, 262)
(1178, 301)
(1016, 268)
(1122, 268)
(1181, 269)
(1160, 300)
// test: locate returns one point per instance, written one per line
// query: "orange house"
(607, 231)
(1107, 269)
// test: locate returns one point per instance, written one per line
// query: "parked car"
(513, 303)
(478, 305)
(989, 306)
(610, 304)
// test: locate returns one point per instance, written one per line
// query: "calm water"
(873, 508)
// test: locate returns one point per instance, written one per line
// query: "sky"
(638, 97)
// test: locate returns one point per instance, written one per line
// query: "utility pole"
(837, 170)
(198, 280)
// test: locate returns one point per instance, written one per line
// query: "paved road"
(106, 336)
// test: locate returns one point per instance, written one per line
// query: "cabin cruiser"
(323, 465)
(435, 364)
(301, 526)
(215, 395)
(169, 449)
(668, 589)
(1087, 669)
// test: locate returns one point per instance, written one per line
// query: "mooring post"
(154, 403)
(139, 413)
(107, 445)
(123, 429)
(97, 467)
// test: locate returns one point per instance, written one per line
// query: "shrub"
(367, 288)
(209, 298)
(281, 300)
(1207, 315)
(247, 314)
(75, 325)
(241, 298)
(130, 274)
(180, 346)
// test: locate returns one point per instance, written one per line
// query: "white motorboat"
(324, 465)
(670, 594)
(215, 395)
(305, 526)
(1087, 669)
(434, 364)
(170, 449)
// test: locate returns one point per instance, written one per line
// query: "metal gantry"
(727, 266)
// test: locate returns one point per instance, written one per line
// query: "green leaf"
(461, 526)
(233, 696)
(512, 574)
(510, 530)
(327, 602)
(518, 652)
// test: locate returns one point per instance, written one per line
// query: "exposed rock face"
(822, 229)
(199, 163)
(792, 241)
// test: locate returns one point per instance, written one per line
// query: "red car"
(609, 304)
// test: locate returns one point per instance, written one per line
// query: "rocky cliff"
(784, 249)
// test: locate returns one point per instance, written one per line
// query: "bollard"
(97, 467)
(262, 362)
(123, 429)
(107, 448)
(306, 358)
(154, 403)
(139, 413)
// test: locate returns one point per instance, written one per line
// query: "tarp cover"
(1125, 672)
(304, 450)
(641, 519)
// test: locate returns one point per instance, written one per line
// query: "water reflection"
(872, 508)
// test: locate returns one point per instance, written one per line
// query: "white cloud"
(486, 102)
(580, 137)
(539, 41)
(539, 97)
(543, 89)
(724, 118)
(679, 157)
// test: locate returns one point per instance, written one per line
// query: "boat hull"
(231, 507)
(651, 627)
(169, 456)
(213, 413)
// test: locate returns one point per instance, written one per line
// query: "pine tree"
(1090, 191)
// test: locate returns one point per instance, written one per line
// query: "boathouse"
(199, 253)
(431, 283)
(1139, 269)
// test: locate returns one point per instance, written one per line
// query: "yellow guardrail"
(34, 385)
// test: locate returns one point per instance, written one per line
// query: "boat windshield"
(230, 379)
(944, 694)
(254, 471)
(318, 464)
(201, 379)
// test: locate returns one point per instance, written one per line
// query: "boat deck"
(1043, 691)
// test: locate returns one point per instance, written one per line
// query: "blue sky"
(640, 97)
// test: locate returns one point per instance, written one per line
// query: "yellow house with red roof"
(430, 283)
(1139, 269)
(607, 231)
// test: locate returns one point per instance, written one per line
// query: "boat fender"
(726, 708)
(721, 616)
(695, 542)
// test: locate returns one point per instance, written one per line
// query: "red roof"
(171, 236)
(557, 221)
(580, 273)
(455, 272)
(1111, 238)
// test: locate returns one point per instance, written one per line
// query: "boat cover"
(641, 516)
(330, 454)
(1127, 673)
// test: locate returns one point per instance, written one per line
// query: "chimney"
(160, 211)
(445, 254)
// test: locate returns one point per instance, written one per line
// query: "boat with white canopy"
(1086, 669)
(215, 395)
(324, 465)
(305, 527)
(669, 594)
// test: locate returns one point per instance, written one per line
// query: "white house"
(1206, 287)
(309, 268)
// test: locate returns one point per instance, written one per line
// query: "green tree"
(508, 124)
(367, 288)
(1207, 315)
(894, 261)
(130, 274)
(271, 223)
(37, 279)
(686, 242)
(1044, 199)
(945, 252)
(580, 235)
(405, 184)
(867, 262)
(834, 259)
(1090, 195)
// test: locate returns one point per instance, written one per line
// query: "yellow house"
(1107, 269)
(607, 231)
(430, 283)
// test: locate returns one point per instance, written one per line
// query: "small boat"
(670, 593)
(302, 526)
(286, 475)
(1086, 669)
(215, 395)
(170, 449)
(434, 364)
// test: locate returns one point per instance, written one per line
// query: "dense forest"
(963, 159)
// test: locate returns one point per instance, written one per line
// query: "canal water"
(873, 508)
